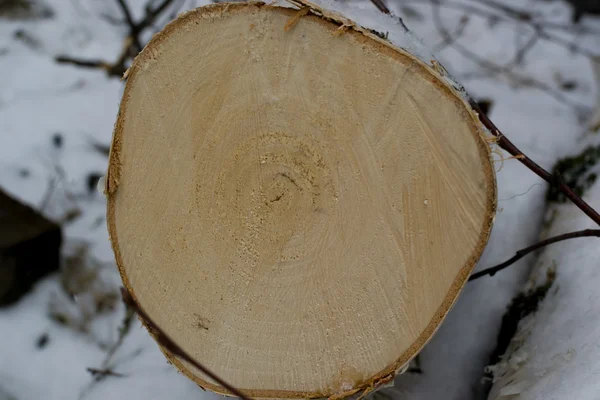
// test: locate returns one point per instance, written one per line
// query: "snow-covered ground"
(555, 351)
(539, 103)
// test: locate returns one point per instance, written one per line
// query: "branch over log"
(523, 252)
(509, 147)
(381, 6)
(167, 343)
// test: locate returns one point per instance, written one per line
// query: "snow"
(555, 352)
(40, 98)
(368, 16)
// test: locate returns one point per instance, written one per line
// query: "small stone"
(42, 341)
(57, 140)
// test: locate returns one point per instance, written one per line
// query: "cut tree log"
(294, 200)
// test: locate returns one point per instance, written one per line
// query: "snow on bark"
(555, 353)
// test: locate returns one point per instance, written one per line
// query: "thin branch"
(384, 9)
(449, 39)
(495, 68)
(167, 343)
(538, 26)
(124, 330)
(110, 19)
(94, 64)
(569, 28)
(132, 44)
(381, 6)
(103, 373)
(133, 29)
(48, 194)
(117, 69)
(515, 78)
(523, 50)
(509, 147)
(528, 17)
(152, 14)
(508, 14)
(520, 15)
(126, 13)
(523, 252)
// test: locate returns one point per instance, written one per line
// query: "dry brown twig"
(510, 148)
(500, 12)
(106, 368)
(504, 143)
(523, 252)
(449, 39)
(132, 44)
(492, 68)
(102, 373)
(168, 344)
(381, 6)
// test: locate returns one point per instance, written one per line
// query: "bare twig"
(103, 149)
(506, 13)
(132, 44)
(106, 364)
(153, 13)
(520, 15)
(111, 19)
(102, 373)
(523, 50)
(133, 29)
(523, 252)
(381, 6)
(123, 331)
(506, 69)
(167, 343)
(94, 64)
(448, 39)
(515, 78)
(48, 194)
(116, 69)
(509, 147)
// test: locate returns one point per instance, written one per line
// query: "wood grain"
(297, 208)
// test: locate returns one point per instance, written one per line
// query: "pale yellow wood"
(298, 208)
